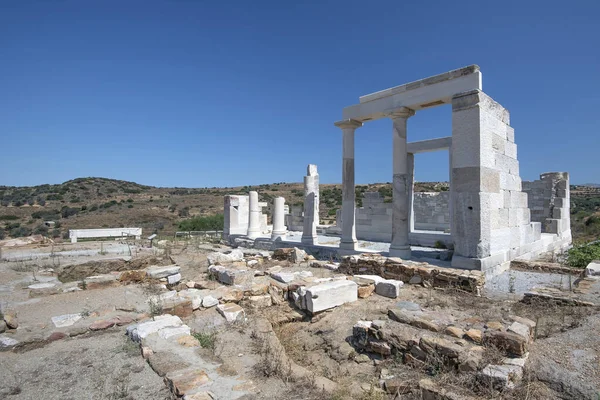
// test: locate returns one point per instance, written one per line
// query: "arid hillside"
(101, 202)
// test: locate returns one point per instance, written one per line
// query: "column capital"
(402, 112)
(348, 123)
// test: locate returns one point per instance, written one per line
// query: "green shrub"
(8, 217)
(579, 256)
(208, 223)
(20, 232)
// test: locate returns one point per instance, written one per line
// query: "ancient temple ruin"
(488, 217)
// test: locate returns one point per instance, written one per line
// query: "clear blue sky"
(208, 93)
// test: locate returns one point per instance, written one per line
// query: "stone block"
(330, 294)
(365, 291)
(368, 279)
(173, 279)
(209, 301)
(500, 377)
(178, 306)
(185, 381)
(225, 258)
(510, 149)
(257, 302)
(100, 281)
(142, 330)
(157, 272)
(389, 288)
(193, 295)
(520, 329)
(510, 134)
(174, 332)
(62, 321)
(509, 181)
(43, 289)
(511, 343)
(7, 342)
(231, 312)
(593, 268)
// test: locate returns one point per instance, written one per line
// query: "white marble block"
(330, 294)
(389, 288)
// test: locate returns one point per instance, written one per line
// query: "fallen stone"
(330, 294)
(10, 317)
(500, 377)
(362, 358)
(102, 324)
(225, 258)
(389, 288)
(520, 329)
(415, 280)
(509, 342)
(232, 295)
(174, 332)
(474, 335)
(285, 277)
(173, 279)
(146, 352)
(360, 332)
(258, 289)
(408, 306)
(470, 360)
(251, 263)
(398, 386)
(164, 362)
(193, 295)
(426, 324)
(231, 311)
(121, 320)
(454, 331)
(593, 269)
(525, 321)
(43, 289)
(190, 284)
(430, 390)
(62, 321)
(178, 306)
(7, 342)
(519, 362)
(209, 301)
(142, 330)
(374, 279)
(54, 336)
(157, 272)
(182, 382)
(2, 326)
(380, 347)
(297, 256)
(445, 347)
(283, 254)
(402, 316)
(365, 291)
(274, 270)
(257, 302)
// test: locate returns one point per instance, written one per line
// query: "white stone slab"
(194, 295)
(172, 279)
(285, 277)
(520, 329)
(209, 301)
(218, 258)
(330, 294)
(65, 320)
(157, 272)
(173, 332)
(141, 331)
(375, 279)
(231, 312)
(41, 286)
(593, 269)
(6, 342)
(389, 288)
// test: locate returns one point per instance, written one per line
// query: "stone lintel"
(401, 112)
(348, 123)
(457, 73)
(424, 146)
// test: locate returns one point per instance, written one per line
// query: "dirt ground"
(564, 360)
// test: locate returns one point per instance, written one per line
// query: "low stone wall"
(431, 211)
(411, 272)
(548, 200)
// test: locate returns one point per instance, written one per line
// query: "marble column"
(411, 191)
(279, 229)
(348, 241)
(311, 205)
(400, 246)
(254, 216)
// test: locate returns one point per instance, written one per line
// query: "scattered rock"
(330, 294)
(188, 341)
(256, 302)
(494, 325)
(500, 377)
(474, 335)
(7, 342)
(511, 343)
(365, 291)
(138, 275)
(415, 280)
(146, 352)
(184, 381)
(233, 295)
(389, 288)
(593, 269)
(142, 330)
(65, 320)
(408, 306)
(362, 358)
(100, 281)
(231, 311)
(2, 326)
(454, 331)
(520, 329)
(10, 317)
(173, 279)
(54, 336)
(174, 332)
(102, 324)
(225, 258)
(297, 255)
(193, 295)
(43, 289)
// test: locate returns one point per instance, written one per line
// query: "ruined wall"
(236, 215)
(549, 201)
(295, 219)
(431, 211)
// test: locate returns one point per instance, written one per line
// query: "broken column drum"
(279, 229)
(311, 205)
(254, 216)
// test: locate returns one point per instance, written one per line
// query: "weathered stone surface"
(199, 396)
(232, 276)
(424, 323)
(209, 301)
(431, 390)
(398, 385)
(193, 295)
(509, 342)
(43, 289)
(389, 288)
(10, 317)
(360, 332)
(368, 279)
(142, 330)
(173, 279)
(298, 255)
(54, 336)
(231, 312)
(100, 281)
(283, 254)
(380, 347)
(494, 325)
(454, 331)
(121, 320)
(225, 258)
(2, 326)
(258, 289)
(330, 294)
(7, 342)
(182, 382)
(157, 272)
(402, 316)
(174, 332)
(500, 377)
(442, 346)
(65, 320)
(365, 291)
(102, 324)
(520, 329)
(525, 321)
(138, 275)
(146, 352)
(188, 341)
(232, 295)
(257, 302)
(470, 360)
(474, 335)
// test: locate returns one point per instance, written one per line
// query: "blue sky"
(198, 93)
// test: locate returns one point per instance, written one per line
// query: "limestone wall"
(549, 201)
(431, 211)
(295, 219)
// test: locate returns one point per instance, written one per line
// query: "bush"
(55, 233)
(579, 256)
(209, 223)
(46, 215)
(66, 212)
(20, 232)
(41, 230)
(8, 217)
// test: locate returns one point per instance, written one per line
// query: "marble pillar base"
(401, 252)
